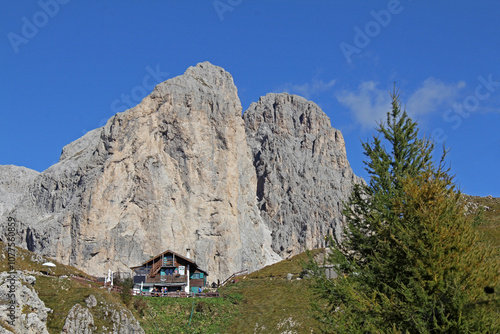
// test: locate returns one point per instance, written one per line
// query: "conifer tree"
(410, 260)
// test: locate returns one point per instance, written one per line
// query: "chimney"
(188, 255)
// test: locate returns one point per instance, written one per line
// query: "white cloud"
(432, 95)
(369, 104)
(308, 89)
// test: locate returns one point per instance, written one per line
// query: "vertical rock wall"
(181, 170)
(302, 171)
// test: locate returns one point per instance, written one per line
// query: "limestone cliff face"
(174, 172)
(14, 181)
(181, 170)
(302, 171)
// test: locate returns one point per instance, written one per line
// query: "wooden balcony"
(168, 263)
(166, 279)
(180, 294)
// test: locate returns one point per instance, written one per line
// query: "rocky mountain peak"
(211, 76)
(292, 114)
(183, 169)
(204, 82)
(302, 171)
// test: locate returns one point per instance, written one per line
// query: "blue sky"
(67, 66)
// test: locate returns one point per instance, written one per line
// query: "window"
(139, 279)
(168, 260)
(181, 270)
(195, 276)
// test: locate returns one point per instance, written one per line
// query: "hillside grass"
(490, 229)
(252, 305)
(173, 315)
(270, 305)
(490, 234)
(29, 261)
(293, 265)
(60, 293)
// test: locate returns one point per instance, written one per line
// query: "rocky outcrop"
(182, 170)
(20, 305)
(302, 171)
(91, 301)
(125, 323)
(23, 302)
(79, 321)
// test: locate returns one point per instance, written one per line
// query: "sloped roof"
(171, 252)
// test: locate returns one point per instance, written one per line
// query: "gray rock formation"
(28, 311)
(78, 321)
(14, 182)
(302, 171)
(182, 170)
(91, 301)
(174, 172)
(5, 331)
(125, 323)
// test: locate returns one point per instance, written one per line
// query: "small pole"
(192, 309)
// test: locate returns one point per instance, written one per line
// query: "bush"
(126, 295)
(141, 306)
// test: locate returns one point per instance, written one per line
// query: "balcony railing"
(166, 279)
(168, 263)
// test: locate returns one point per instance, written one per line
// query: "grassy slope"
(271, 303)
(491, 228)
(61, 294)
(26, 260)
(490, 232)
(292, 265)
(272, 306)
(173, 315)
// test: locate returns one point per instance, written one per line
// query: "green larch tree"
(410, 260)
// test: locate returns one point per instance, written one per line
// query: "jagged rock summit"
(183, 169)
(302, 171)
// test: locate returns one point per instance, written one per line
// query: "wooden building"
(169, 271)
